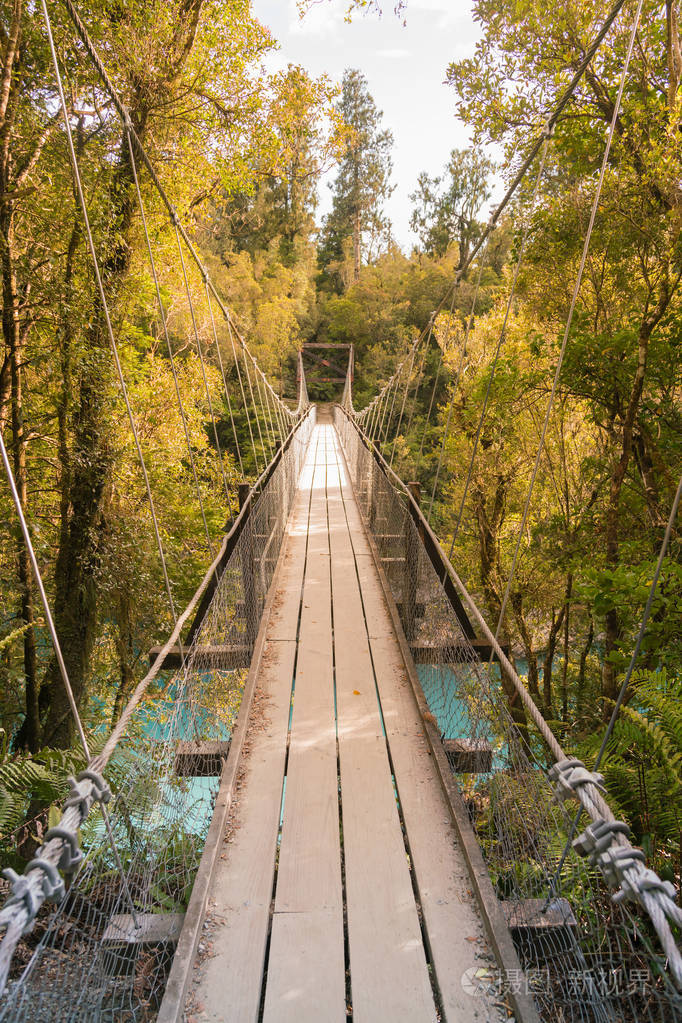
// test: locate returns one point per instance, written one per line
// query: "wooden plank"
(290, 580)
(306, 966)
(221, 657)
(451, 918)
(172, 1006)
(242, 887)
(478, 879)
(389, 976)
(531, 917)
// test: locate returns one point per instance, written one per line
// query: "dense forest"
(241, 152)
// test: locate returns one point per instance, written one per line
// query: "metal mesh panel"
(104, 953)
(584, 957)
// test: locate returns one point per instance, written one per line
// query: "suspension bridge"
(353, 809)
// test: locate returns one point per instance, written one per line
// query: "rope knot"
(569, 775)
(23, 892)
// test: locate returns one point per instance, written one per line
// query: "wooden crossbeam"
(202, 759)
(325, 344)
(126, 936)
(529, 917)
(222, 657)
(424, 652)
(469, 756)
(327, 363)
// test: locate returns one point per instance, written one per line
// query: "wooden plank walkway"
(340, 892)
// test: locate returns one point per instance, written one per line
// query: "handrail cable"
(455, 385)
(653, 586)
(207, 389)
(657, 901)
(17, 924)
(224, 376)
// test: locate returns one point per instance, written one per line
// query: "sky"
(405, 70)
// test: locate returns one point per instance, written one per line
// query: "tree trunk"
(29, 735)
(90, 464)
(618, 473)
(488, 527)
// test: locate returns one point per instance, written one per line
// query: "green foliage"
(446, 206)
(643, 766)
(356, 224)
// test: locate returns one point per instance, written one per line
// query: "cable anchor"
(72, 855)
(23, 892)
(568, 775)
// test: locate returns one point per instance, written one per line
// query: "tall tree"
(447, 206)
(623, 353)
(363, 181)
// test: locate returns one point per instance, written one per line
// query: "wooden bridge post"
(411, 577)
(247, 565)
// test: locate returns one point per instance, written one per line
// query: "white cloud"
(394, 54)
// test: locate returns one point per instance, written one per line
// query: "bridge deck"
(340, 887)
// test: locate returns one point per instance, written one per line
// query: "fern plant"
(30, 783)
(643, 768)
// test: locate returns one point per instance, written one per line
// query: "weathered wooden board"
(231, 980)
(389, 975)
(451, 921)
(306, 966)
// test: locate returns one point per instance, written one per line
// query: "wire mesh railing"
(592, 954)
(105, 951)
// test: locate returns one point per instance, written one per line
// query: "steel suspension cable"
(224, 376)
(569, 321)
(500, 342)
(103, 300)
(548, 127)
(550, 124)
(73, 706)
(427, 421)
(262, 411)
(164, 324)
(420, 375)
(254, 407)
(455, 388)
(384, 410)
(125, 118)
(395, 394)
(402, 407)
(628, 674)
(195, 328)
(244, 402)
